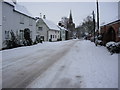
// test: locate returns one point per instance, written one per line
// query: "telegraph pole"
(97, 17)
(94, 25)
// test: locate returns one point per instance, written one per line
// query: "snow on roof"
(10, 2)
(19, 8)
(62, 28)
(50, 24)
(22, 9)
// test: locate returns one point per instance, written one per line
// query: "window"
(30, 22)
(6, 34)
(21, 34)
(53, 36)
(119, 32)
(40, 28)
(50, 36)
(21, 19)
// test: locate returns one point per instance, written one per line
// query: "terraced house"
(47, 30)
(17, 19)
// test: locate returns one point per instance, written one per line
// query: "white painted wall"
(0, 24)
(12, 21)
(44, 31)
(54, 32)
(63, 34)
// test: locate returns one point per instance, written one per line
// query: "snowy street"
(64, 64)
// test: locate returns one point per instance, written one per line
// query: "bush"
(59, 39)
(113, 47)
(28, 41)
(12, 42)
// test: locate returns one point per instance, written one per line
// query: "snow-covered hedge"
(113, 47)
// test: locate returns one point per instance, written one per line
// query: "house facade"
(16, 18)
(47, 30)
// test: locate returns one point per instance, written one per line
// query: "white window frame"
(6, 34)
(40, 28)
(21, 34)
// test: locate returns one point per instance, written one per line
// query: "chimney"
(40, 15)
(44, 17)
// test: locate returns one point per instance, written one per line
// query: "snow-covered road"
(21, 66)
(66, 64)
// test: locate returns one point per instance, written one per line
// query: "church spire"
(70, 17)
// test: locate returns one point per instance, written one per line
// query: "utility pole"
(94, 25)
(97, 17)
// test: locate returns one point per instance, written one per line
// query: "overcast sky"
(80, 10)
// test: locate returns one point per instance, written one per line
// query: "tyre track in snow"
(19, 74)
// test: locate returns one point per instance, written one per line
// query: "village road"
(19, 71)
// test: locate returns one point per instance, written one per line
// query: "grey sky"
(55, 10)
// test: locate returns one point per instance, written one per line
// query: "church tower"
(71, 27)
(70, 17)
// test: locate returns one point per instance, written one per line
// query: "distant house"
(47, 30)
(63, 33)
(110, 32)
(16, 18)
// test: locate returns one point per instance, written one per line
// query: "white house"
(47, 30)
(62, 33)
(16, 18)
(0, 24)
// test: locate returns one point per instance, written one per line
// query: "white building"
(16, 18)
(47, 30)
(63, 33)
(0, 24)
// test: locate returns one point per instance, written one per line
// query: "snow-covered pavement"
(67, 64)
